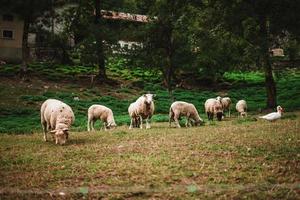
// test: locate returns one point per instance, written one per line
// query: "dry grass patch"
(229, 159)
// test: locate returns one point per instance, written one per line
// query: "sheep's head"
(148, 98)
(219, 98)
(243, 114)
(111, 125)
(198, 122)
(60, 135)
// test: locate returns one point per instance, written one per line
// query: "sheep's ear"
(144, 95)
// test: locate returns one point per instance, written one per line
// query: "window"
(7, 17)
(7, 34)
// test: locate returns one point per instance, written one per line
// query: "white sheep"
(226, 103)
(213, 107)
(57, 117)
(104, 114)
(181, 108)
(136, 119)
(241, 107)
(142, 108)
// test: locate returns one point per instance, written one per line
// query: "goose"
(274, 115)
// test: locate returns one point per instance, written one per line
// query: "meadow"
(232, 159)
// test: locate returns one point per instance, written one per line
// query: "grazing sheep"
(181, 108)
(57, 117)
(104, 114)
(136, 120)
(213, 107)
(241, 107)
(226, 103)
(142, 108)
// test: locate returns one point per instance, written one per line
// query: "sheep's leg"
(104, 126)
(131, 123)
(229, 112)
(177, 122)
(170, 122)
(190, 123)
(44, 125)
(171, 118)
(176, 117)
(92, 124)
(187, 121)
(88, 125)
(141, 122)
(147, 123)
(137, 122)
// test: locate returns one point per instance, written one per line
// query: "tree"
(166, 44)
(99, 41)
(94, 36)
(28, 11)
(259, 23)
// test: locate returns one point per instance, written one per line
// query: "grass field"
(232, 159)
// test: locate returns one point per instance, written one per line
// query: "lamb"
(136, 120)
(57, 117)
(213, 107)
(181, 108)
(142, 108)
(104, 114)
(226, 103)
(241, 107)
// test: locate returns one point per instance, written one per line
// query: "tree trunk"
(25, 49)
(170, 52)
(52, 11)
(169, 72)
(266, 61)
(99, 43)
(169, 76)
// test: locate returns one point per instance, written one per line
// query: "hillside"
(20, 100)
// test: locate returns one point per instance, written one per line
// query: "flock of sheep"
(57, 117)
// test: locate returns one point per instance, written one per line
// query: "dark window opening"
(7, 17)
(7, 34)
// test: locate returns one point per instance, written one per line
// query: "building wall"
(11, 49)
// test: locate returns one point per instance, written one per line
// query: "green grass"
(229, 160)
(116, 68)
(19, 112)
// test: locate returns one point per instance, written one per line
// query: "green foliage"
(119, 66)
(245, 85)
(248, 77)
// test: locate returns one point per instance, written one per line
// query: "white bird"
(274, 115)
